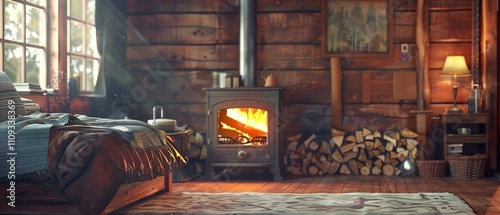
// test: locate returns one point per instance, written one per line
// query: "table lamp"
(455, 65)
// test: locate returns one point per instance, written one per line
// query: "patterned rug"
(315, 203)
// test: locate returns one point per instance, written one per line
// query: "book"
(26, 87)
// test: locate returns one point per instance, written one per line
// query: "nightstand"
(466, 133)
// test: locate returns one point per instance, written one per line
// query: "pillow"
(9, 95)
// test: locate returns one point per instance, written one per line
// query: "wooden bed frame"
(130, 193)
(43, 198)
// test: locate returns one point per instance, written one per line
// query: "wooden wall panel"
(404, 27)
(441, 88)
(183, 57)
(179, 29)
(175, 87)
(376, 88)
(454, 26)
(185, 6)
(450, 4)
(188, 40)
(277, 28)
(304, 86)
(291, 56)
(439, 51)
(379, 116)
(289, 5)
(405, 5)
(391, 62)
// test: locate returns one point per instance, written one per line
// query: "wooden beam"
(488, 56)
(336, 94)
(423, 84)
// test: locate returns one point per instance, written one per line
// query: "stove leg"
(275, 170)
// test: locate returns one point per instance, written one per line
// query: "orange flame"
(253, 117)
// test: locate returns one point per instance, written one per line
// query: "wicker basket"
(431, 168)
(465, 167)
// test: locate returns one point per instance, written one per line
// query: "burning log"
(362, 152)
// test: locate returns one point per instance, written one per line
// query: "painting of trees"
(353, 27)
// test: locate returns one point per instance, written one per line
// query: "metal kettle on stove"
(270, 77)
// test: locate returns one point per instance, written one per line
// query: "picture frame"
(357, 28)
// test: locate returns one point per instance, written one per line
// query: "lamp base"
(455, 110)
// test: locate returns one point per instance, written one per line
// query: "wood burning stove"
(244, 128)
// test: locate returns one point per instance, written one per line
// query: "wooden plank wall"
(184, 42)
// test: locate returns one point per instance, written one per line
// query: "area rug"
(314, 203)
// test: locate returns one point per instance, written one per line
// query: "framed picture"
(352, 28)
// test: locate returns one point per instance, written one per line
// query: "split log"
(361, 152)
(365, 170)
(411, 143)
(292, 146)
(294, 137)
(362, 155)
(325, 148)
(336, 132)
(366, 132)
(353, 167)
(376, 170)
(359, 136)
(345, 170)
(308, 141)
(334, 167)
(349, 156)
(313, 170)
(347, 147)
(313, 145)
(388, 169)
(350, 138)
(338, 140)
(338, 157)
(301, 149)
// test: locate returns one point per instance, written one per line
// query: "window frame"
(43, 74)
(56, 74)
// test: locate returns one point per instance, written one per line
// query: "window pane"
(90, 11)
(13, 58)
(75, 67)
(76, 37)
(91, 75)
(38, 2)
(91, 42)
(76, 9)
(35, 65)
(35, 26)
(13, 19)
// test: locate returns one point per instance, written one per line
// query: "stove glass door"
(242, 126)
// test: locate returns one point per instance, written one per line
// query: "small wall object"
(232, 81)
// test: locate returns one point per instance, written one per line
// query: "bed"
(59, 163)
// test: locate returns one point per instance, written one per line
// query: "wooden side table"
(466, 133)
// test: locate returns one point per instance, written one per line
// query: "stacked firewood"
(363, 152)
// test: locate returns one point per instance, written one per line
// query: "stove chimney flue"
(248, 20)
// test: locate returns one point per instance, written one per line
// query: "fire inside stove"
(242, 126)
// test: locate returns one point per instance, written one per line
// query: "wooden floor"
(482, 195)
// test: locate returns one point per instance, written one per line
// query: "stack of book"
(28, 88)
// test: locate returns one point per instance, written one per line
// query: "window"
(83, 58)
(24, 39)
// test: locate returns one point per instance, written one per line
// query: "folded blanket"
(26, 147)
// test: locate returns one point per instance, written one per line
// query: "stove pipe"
(248, 20)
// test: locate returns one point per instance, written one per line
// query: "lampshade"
(455, 65)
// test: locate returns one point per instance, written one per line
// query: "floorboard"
(483, 195)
